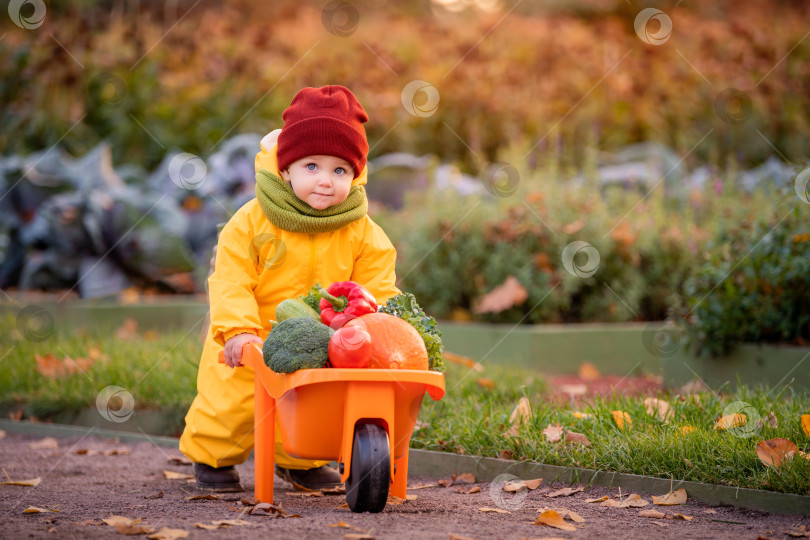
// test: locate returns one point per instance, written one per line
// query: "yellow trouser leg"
(219, 423)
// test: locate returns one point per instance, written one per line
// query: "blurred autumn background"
(555, 122)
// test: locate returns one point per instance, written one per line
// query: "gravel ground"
(87, 487)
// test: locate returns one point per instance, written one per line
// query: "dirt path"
(88, 487)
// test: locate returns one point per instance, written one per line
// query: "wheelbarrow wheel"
(370, 474)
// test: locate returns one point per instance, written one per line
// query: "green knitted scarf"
(286, 211)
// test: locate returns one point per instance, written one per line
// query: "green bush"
(754, 285)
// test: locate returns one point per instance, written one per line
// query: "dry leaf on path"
(533, 484)
(672, 498)
(775, 451)
(553, 433)
(659, 409)
(494, 510)
(564, 492)
(132, 529)
(565, 513)
(422, 486)
(632, 501)
(454, 536)
(730, 421)
(506, 295)
(114, 521)
(306, 494)
(514, 486)
(337, 490)
(394, 500)
(206, 497)
(710, 511)
(222, 524)
(168, 534)
(30, 482)
(588, 372)
(37, 510)
(622, 419)
(806, 424)
(2, 434)
(550, 518)
(172, 475)
(179, 461)
(651, 514)
(48, 443)
(355, 536)
(680, 516)
(600, 499)
(465, 478)
(579, 438)
(521, 414)
(117, 452)
(446, 482)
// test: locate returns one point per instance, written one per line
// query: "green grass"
(160, 371)
(473, 420)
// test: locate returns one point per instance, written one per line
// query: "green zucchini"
(292, 308)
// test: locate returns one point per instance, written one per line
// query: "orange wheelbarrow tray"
(361, 418)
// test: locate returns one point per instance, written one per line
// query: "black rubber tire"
(370, 475)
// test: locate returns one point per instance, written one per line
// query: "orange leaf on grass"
(659, 409)
(806, 424)
(730, 421)
(574, 437)
(520, 416)
(487, 384)
(774, 452)
(553, 433)
(52, 367)
(622, 419)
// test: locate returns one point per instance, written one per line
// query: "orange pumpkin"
(395, 343)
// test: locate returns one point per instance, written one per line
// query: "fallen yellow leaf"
(30, 483)
(133, 529)
(634, 501)
(651, 514)
(464, 478)
(2, 434)
(671, 498)
(730, 421)
(600, 499)
(520, 416)
(48, 443)
(533, 484)
(172, 475)
(168, 534)
(113, 521)
(687, 429)
(514, 486)
(622, 419)
(574, 437)
(206, 497)
(658, 408)
(550, 518)
(806, 424)
(495, 510)
(422, 486)
(681, 516)
(553, 433)
(564, 492)
(564, 513)
(588, 372)
(37, 510)
(581, 415)
(775, 451)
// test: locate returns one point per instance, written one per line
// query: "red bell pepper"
(343, 301)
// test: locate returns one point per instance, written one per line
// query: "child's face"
(320, 181)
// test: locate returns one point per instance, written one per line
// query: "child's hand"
(233, 348)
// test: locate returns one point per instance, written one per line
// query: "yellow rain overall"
(257, 266)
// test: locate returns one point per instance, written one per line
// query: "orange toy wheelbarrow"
(361, 418)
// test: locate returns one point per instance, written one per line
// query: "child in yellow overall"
(307, 225)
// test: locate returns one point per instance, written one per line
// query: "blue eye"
(311, 166)
(340, 170)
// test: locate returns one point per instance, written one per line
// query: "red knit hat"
(324, 121)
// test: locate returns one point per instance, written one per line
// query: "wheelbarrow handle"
(246, 351)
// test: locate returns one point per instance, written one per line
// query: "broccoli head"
(297, 343)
